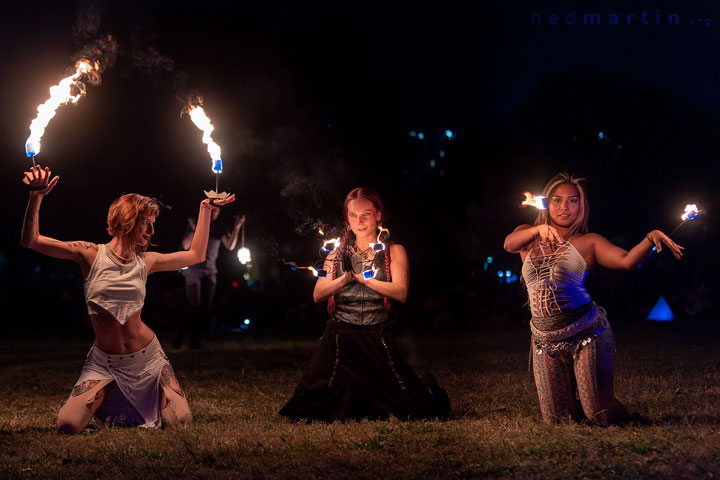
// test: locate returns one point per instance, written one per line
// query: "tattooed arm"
(80, 252)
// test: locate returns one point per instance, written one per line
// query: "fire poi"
(537, 201)
(366, 267)
(691, 212)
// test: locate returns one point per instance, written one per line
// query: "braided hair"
(347, 242)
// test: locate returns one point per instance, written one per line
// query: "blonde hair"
(581, 222)
(125, 213)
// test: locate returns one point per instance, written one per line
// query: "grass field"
(669, 374)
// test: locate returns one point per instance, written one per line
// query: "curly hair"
(125, 213)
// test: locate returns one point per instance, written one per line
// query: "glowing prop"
(536, 201)
(69, 90)
(331, 245)
(200, 119)
(370, 273)
(379, 246)
(318, 273)
(243, 252)
(691, 212)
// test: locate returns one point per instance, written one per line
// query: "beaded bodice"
(555, 279)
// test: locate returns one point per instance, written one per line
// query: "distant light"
(243, 255)
(449, 134)
(235, 284)
(508, 273)
(37, 268)
(246, 321)
(485, 266)
(441, 153)
(661, 311)
(501, 274)
(514, 278)
(490, 259)
(619, 147)
(246, 276)
(413, 133)
(432, 163)
(421, 135)
(601, 135)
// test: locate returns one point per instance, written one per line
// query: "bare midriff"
(112, 337)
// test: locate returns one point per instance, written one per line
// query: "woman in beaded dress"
(573, 347)
(357, 370)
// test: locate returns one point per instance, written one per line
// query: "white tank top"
(555, 279)
(115, 288)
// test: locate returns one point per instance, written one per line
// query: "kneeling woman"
(126, 378)
(573, 347)
(357, 370)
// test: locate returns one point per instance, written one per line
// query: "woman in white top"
(126, 378)
(572, 344)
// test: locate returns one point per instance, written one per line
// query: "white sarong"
(136, 400)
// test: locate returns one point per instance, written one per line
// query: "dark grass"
(668, 374)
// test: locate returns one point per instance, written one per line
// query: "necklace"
(131, 261)
(364, 254)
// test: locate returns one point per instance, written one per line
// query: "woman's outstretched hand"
(217, 202)
(658, 238)
(38, 179)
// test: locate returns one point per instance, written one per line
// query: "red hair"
(345, 250)
(125, 213)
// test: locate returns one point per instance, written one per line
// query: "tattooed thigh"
(83, 387)
(168, 379)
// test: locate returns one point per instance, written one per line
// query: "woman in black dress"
(357, 370)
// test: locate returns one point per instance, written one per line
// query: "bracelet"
(647, 237)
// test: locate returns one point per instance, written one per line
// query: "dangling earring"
(348, 227)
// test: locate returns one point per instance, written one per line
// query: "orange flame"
(533, 201)
(691, 211)
(60, 94)
(201, 120)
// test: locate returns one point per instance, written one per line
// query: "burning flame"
(379, 246)
(60, 94)
(370, 273)
(320, 231)
(315, 271)
(197, 115)
(691, 211)
(331, 244)
(534, 201)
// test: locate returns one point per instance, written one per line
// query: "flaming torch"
(195, 110)
(691, 212)
(69, 90)
(536, 201)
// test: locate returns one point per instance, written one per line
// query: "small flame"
(320, 231)
(315, 271)
(534, 201)
(691, 211)
(60, 94)
(201, 120)
(370, 273)
(379, 246)
(331, 244)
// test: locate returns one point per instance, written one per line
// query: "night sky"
(311, 99)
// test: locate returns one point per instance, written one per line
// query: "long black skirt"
(358, 372)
